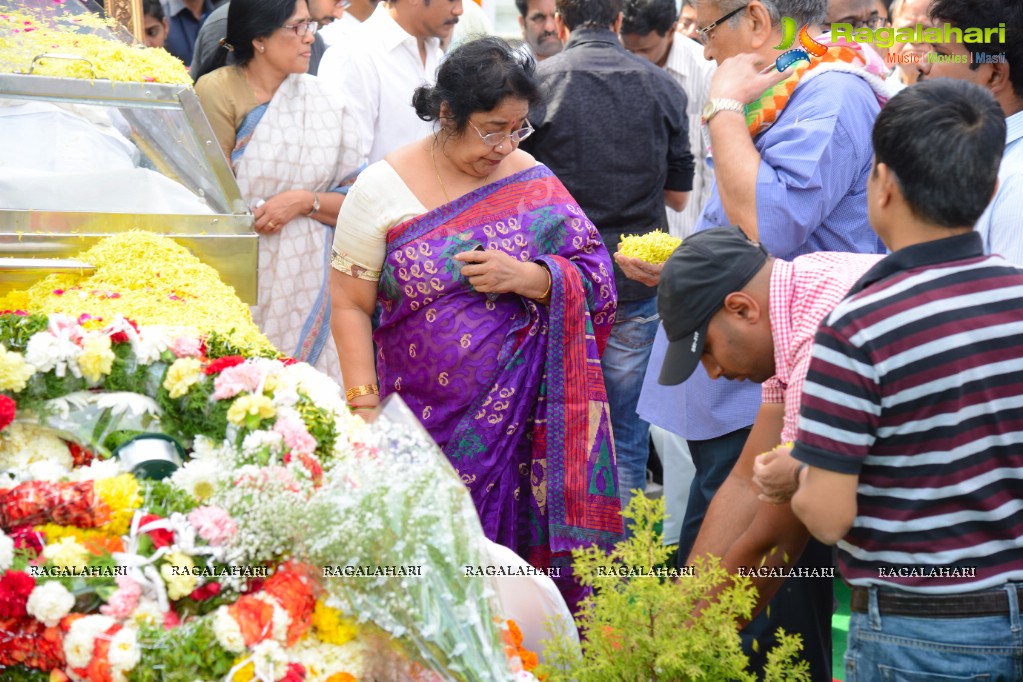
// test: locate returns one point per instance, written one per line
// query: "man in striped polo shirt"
(911, 424)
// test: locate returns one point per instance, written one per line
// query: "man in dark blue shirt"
(186, 18)
(615, 132)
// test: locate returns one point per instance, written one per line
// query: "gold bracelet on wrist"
(365, 389)
(550, 283)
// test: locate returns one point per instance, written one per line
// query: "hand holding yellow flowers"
(653, 247)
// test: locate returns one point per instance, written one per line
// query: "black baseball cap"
(702, 271)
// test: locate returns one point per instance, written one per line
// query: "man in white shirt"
(356, 12)
(385, 59)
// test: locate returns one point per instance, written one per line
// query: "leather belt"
(965, 605)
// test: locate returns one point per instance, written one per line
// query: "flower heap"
(158, 283)
(25, 34)
(215, 572)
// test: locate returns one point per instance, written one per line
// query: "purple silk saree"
(510, 389)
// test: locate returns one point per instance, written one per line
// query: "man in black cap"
(747, 316)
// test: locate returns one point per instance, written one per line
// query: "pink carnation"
(186, 347)
(296, 436)
(234, 380)
(213, 524)
(124, 600)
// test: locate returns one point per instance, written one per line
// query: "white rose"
(49, 602)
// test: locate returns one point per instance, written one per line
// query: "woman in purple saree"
(495, 307)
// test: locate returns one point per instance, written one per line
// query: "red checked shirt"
(803, 292)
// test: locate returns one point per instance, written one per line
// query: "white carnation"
(204, 447)
(46, 351)
(227, 631)
(124, 653)
(46, 471)
(98, 470)
(80, 641)
(270, 660)
(6, 551)
(49, 602)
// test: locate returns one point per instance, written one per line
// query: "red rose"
(160, 536)
(15, 586)
(206, 591)
(288, 362)
(7, 409)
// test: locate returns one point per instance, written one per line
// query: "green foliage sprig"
(197, 655)
(639, 624)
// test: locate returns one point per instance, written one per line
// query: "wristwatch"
(713, 106)
(316, 206)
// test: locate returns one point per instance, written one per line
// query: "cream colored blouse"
(377, 201)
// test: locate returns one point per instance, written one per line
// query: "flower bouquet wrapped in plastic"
(402, 566)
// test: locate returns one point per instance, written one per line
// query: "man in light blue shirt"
(999, 68)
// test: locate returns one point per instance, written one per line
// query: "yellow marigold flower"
(14, 371)
(181, 375)
(96, 359)
(121, 495)
(250, 409)
(244, 674)
(67, 553)
(342, 677)
(177, 573)
(331, 626)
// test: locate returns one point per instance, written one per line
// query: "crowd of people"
(439, 216)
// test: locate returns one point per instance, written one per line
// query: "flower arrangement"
(26, 34)
(653, 247)
(212, 565)
(218, 570)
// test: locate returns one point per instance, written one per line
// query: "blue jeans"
(909, 649)
(713, 459)
(624, 365)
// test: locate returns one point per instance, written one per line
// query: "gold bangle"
(365, 389)
(550, 283)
